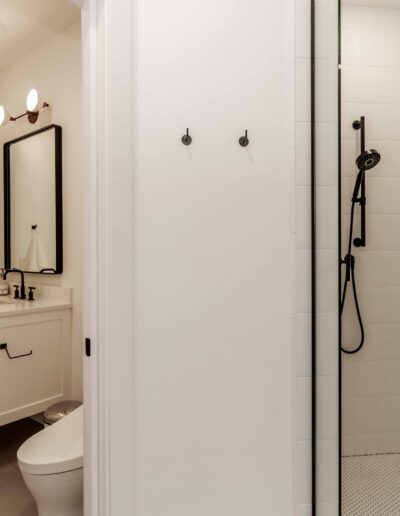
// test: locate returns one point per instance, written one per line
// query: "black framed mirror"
(33, 213)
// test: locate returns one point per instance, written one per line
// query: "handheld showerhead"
(365, 161)
(368, 159)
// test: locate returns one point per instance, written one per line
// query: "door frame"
(91, 364)
(108, 42)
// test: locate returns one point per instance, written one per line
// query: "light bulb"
(33, 100)
(4, 116)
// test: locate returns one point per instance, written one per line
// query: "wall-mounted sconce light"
(4, 116)
(33, 106)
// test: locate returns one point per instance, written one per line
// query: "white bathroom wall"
(205, 219)
(211, 318)
(55, 69)
(302, 322)
(371, 87)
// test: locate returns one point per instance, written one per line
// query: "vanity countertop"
(50, 298)
(10, 307)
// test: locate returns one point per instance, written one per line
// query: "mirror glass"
(33, 202)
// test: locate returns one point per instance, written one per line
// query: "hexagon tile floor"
(371, 485)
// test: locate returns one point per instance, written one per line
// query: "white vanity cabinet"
(29, 384)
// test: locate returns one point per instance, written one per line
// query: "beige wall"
(55, 69)
(371, 87)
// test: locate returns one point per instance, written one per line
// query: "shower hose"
(350, 263)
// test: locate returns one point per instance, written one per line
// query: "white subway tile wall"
(371, 87)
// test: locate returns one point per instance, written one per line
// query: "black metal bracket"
(359, 125)
(4, 346)
(31, 115)
(349, 261)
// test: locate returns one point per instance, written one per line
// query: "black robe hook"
(186, 138)
(243, 140)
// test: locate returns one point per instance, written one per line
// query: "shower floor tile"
(371, 485)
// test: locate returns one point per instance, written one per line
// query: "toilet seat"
(56, 449)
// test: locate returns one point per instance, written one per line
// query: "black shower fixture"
(367, 160)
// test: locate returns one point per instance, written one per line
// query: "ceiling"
(374, 3)
(27, 24)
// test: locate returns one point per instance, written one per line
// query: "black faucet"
(22, 293)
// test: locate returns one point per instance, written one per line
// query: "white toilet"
(51, 463)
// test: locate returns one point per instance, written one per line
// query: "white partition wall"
(212, 267)
(195, 246)
(326, 259)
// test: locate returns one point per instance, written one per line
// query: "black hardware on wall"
(4, 347)
(366, 161)
(32, 116)
(88, 347)
(359, 125)
(243, 140)
(186, 138)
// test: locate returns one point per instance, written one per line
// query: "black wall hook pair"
(187, 139)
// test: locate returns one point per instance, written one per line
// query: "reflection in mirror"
(33, 202)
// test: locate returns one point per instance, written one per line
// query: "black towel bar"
(5, 347)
